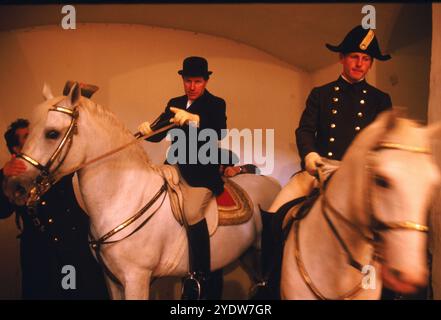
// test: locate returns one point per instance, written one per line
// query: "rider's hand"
(312, 162)
(144, 128)
(183, 117)
(14, 167)
(232, 171)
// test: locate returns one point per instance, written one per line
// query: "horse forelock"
(408, 133)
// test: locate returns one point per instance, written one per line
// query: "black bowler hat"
(360, 40)
(195, 67)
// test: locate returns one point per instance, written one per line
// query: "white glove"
(312, 162)
(145, 128)
(183, 117)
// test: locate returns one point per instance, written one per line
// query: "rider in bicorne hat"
(334, 114)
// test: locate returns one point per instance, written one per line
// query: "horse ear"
(387, 119)
(74, 94)
(392, 117)
(47, 92)
(434, 129)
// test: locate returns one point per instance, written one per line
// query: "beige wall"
(406, 76)
(135, 67)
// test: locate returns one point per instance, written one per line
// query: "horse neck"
(323, 255)
(115, 187)
(346, 193)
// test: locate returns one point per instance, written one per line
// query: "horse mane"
(110, 118)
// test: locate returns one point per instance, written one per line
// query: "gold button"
(332, 139)
(334, 111)
(336, 88)
(43, 203)
(332, 125)
(364, 91)
(362, 101)
(330, 154)
(335, 99)
(360, 114)
(357, 128)
(50, 220)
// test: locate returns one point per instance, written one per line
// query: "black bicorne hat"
(360, 40)
(195, 67)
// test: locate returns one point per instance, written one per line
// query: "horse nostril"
(395, 272)
(20, 191)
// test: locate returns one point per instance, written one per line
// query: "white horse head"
(49, 147)
(400, 179)
(378, 201)
(67, 132)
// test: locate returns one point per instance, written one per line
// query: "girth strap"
(96, 244)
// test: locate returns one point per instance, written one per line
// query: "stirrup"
(257, 286)
(191, 287)
(262, 291)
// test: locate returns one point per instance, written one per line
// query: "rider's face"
(355, 65)
(194, 87)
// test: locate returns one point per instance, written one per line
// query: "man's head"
(357, 51)
(355, 65)
(194, 87)
(195, 76)
(16, 135)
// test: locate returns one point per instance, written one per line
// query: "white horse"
(371, 213)
(116, 187)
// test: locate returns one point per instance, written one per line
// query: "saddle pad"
(234, 205)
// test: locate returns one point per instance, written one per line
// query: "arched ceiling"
(294, 33)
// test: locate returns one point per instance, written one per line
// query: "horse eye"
(52, 134)
(382, 182)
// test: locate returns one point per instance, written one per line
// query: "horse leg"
(115, 291)
(137, 286)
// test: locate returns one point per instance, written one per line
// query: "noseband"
(47, 176)
(376, 227)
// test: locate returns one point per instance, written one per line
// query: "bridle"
(46, 178)
(376, 227)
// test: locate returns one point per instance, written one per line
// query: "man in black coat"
(196, 112)
(56, 261)
(335, 113)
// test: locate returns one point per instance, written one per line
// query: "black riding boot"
(195, 285)
(271, 256)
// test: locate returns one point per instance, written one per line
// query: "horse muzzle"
(17, 190)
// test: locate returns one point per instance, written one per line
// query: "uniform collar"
(347, 85)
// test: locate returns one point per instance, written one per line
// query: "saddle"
(297, 209)
(232, 207)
